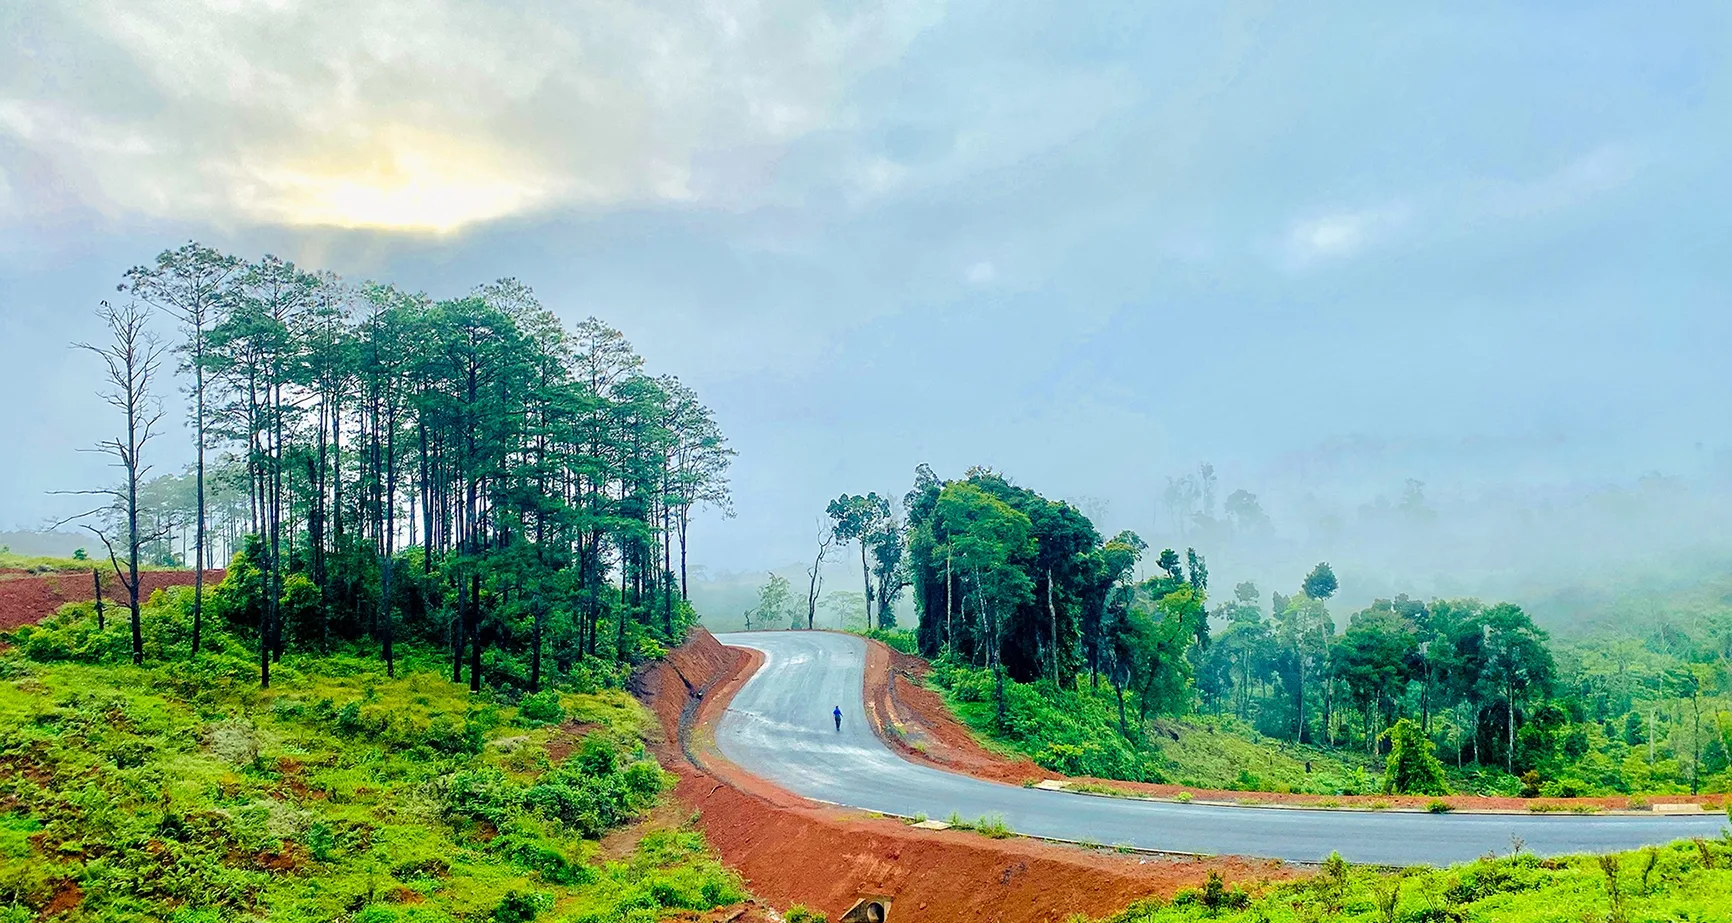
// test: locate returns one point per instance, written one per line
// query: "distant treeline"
(1014, 583)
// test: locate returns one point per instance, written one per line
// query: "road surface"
(779, 727)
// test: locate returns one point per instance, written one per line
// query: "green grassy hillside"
(183, 793)
(1690, 882)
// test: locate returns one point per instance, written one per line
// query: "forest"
(384, 467)
(1044, 637)
(451, 529)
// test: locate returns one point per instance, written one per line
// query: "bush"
(481, 795)
(518, 907)
(541, 708)
(1413, 767)
(1074, 732)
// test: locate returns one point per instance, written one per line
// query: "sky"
(1325, 247)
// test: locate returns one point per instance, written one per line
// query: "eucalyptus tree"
(889, 542)
(859, 519)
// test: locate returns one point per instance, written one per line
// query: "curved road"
(779, 727)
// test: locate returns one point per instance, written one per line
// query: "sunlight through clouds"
(428, 115)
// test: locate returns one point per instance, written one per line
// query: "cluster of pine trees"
(467, 471)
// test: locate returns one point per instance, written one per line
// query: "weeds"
(1609, 866)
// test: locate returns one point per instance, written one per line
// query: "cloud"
(429, 114)
(981, 273)
(1595, 172)
(1341, 234)
(1461, 207)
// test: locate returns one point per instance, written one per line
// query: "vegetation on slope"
(1686, 881)
(181, 791)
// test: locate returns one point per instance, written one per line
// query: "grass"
(46, 564)
(1076, 732)
(1223, 753)
(1678, 882)
(993, 825)
(180, 792)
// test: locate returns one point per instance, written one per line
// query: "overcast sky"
(1324, 246)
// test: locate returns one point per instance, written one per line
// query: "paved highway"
(779, 727)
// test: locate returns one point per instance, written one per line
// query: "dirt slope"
(26, 598)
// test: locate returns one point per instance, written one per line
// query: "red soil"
(791, 850)
(26, 599)
(915, 721)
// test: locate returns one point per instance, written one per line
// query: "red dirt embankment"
(27, 598)
(791, 850)
(915, 721)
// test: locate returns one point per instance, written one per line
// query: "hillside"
(181, 792)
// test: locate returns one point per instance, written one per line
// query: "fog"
(1577, 554)
(1325, 250)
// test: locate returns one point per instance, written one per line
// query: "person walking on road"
(838, 715)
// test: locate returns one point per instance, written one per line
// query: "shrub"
(799, 913)
(1413, 767)
(517, 907)
(541, 708)
(480, 794)
(1530, 784)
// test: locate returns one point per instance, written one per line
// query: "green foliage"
(993, 825)
(1412, 769)
(1320, 584)
(1070, 731)
(897, 639)
(541, 708)
(1518, 889)
(799, 913)
(183, 792)
(775, 605)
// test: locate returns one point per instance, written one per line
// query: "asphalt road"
(779, 727)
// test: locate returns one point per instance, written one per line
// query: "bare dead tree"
(131, 360)
(815, 573)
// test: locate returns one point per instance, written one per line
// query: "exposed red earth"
(27, 598)
(791, 850)
(915, 722)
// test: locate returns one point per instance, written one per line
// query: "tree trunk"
(459, 634)
(475, 632)
(1052, 616)
(949, 604)
(96, 578)
(1509, 712)
(198, 425)
(535, 649)
(1119, 690)
(866, 582)
(132, 475)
